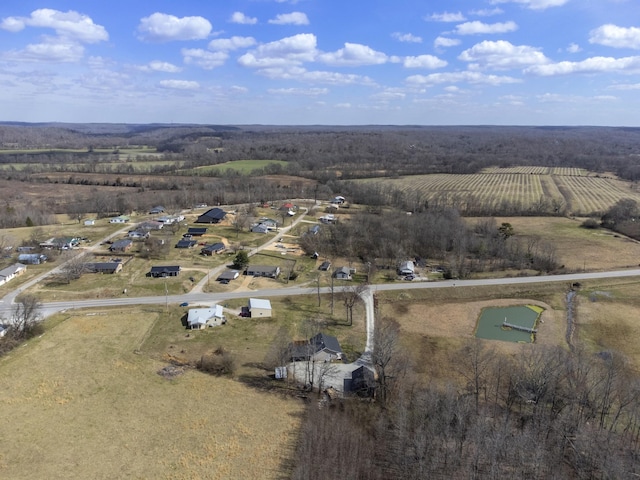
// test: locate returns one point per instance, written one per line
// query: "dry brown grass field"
(79, 402)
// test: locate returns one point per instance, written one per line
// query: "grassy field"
(576, 191)
(85, 401)
(243, 167)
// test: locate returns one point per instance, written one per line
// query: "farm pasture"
(82, 402)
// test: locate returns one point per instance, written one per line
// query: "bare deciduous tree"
(25, 316)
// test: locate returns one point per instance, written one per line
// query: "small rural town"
(293, 239)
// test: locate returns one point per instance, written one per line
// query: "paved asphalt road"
(210, 298)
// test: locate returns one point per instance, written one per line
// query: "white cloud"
(70, 25)
(625, 86)
(447, 17)
(293, 18)
(503, 55)
(323, 77)
(406, 37)
(614, 36)
(306, 92)
(233, 43)
(558, 98)
(424, 61)
(204, 59)
(590, 65)
(354, 54)
(574, 48)
(534, 4)
(160, 27)
(242, 19)
(460, 77)
(55, 51)
(487, 12)
(159, 66)
(289, 51)
(180, 84)
(388, 96)
(476, 27)
(446, 42)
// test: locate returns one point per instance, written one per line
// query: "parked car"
(409, 277)
(184, 304)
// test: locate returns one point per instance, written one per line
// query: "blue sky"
(349, 62)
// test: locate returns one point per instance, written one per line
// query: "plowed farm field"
(533, 190)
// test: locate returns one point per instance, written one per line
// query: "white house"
(119, 219)
(259, 307)
(9, 273)
(406, 268)
(89, 222)
(200, 318)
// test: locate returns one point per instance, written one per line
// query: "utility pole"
(166, 295)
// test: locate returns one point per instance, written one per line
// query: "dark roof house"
(103, 267)
(121, 245)
(214, 215)
(321, 347)
(186, 243)
(263, 271)
(214, 248)
(197, 231)
(164, 271)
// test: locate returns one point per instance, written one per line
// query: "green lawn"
(243, 167)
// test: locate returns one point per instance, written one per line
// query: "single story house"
(197, 231)
(9, 273)
(343, 273)
(406, 268)
(121, 245)
(228, 275)
(213, 249)
(61, 243)
(170, 219)
(259, 307)
(360, 383)
(269, 222)
(325, 266)
(338, 200)
(329, 218)
(321, 347)
(269, 271)
(120, 219)
(200, 318)
(32, 258)
(164, 271)
(138, 234)
(186, 243)
(151, 225)
(103, 267)
(260, 228)
(89, 222)
(213, 215)
(156, 210)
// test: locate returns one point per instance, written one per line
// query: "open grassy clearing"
(243, 167)
(577, 248)
(580, 192)
(115, 417)
(435, 324)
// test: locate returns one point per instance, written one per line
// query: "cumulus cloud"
(460, 77)
(625, 86)
(388, 96)
(160, 27)
(180, 84)
(617, 37)
(203, 58)
(535, 4)
(574, 48)
(406, 37)
(446, 42)
(70, 25)
(300, 74)
(289, 51)
(447, 17)
(424, 61)
(293, 18)
(354, 54)
(54, 52)
(233, 43)
(306, 92)
(502, 55)
(159, 66)
(242, 19)
(590, 65)
(487, 12)
(476, 27)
